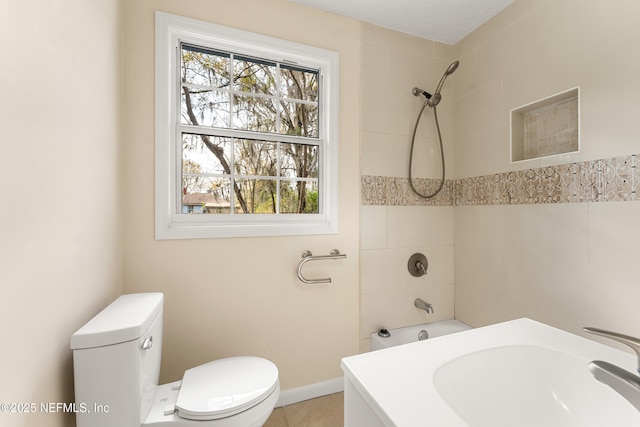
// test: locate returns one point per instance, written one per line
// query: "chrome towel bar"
(308, 256)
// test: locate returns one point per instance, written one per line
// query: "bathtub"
(517, 373)
(410, 334)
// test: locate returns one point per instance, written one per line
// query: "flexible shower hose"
(413, 140)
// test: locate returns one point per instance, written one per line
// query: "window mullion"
(247, 134)
(277, 100)
(279, 143)
(232, 91)
(232, 177)
(278, 176)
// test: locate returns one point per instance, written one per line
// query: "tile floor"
(325, 411)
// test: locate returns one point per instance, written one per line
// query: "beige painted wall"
(60, 223)
(571, 264)
(229, 297)
(392, 64)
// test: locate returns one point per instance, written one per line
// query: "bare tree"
(256, 84)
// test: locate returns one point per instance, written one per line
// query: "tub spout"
(423, 305)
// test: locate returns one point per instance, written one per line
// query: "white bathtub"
(409, 334)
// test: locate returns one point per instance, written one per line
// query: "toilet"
(116, 363)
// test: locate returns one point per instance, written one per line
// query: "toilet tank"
(116, 362)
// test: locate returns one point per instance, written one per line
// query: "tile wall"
(541, 243)
(394, 223)
(531, 238)
(554, 239)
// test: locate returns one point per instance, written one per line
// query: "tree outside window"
(234, 110)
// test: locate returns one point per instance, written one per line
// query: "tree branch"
(217, 151)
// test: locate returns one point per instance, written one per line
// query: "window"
(246, 133)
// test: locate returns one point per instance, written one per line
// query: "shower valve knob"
(418, 265)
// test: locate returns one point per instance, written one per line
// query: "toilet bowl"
(117, 364)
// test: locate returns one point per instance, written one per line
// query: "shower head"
(453, 67)
(433, 100)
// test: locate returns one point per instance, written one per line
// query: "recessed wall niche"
(545, 128)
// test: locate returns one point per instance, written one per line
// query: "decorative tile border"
(604, 180)
(391, 191)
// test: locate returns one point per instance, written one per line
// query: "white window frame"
(170, 223)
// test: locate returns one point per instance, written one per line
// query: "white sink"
(525, 385)
(519, 373)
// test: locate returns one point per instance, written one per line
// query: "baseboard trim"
(311, 391)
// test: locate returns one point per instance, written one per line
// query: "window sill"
(249, 226)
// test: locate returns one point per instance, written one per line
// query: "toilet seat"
(225, 387)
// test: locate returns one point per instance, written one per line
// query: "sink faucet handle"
(630, 341)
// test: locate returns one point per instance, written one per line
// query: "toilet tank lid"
(125, 319)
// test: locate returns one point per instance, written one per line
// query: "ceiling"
(445, 21)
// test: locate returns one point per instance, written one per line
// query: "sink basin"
(527, 385)
(519, 373)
